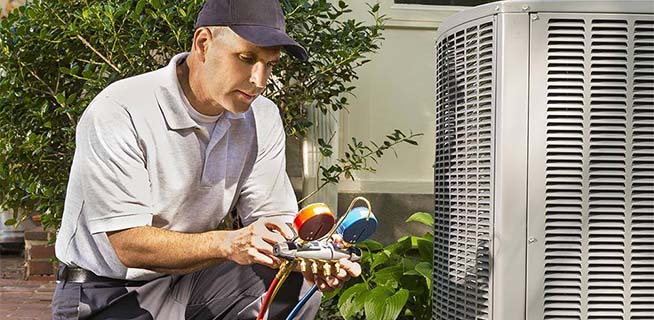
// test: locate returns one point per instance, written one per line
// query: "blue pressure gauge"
(359, 224)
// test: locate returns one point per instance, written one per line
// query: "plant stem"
(86, 43)
(313, 192)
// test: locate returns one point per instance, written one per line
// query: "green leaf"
(426, 249)
(139, 7)
(384, 304)
(331, 294)
(10, 222)
(61, 98)
(379, 258)
(389, 276)
(395, 303)
(425, 269)
(399, 247)
(422, 217)
(346, 302)
(411, 142)
(376, 302)
(371, 245)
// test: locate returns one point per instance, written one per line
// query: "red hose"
(266, 299)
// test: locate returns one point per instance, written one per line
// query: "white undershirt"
(208, 123)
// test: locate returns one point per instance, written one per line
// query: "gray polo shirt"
(140, 160)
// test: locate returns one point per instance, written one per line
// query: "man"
(161, 160)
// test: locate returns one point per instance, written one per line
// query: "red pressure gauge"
(314, 221)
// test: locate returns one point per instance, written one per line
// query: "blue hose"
(302, 302)
(358, 224)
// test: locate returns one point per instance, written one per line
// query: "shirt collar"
(170, 100)
(234, 116)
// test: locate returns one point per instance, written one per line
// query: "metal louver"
(463, 172)
(596, 172)
(559, 227)
(563, 224)
(641, 293)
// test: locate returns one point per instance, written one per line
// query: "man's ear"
(201, 40)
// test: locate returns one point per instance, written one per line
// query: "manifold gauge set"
(314, 248)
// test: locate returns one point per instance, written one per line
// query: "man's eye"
(247, 59)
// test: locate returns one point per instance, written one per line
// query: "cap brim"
(264, 36)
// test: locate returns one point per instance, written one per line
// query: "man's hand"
(348, 269)
(254, 243)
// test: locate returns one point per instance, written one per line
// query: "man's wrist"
(220, 244)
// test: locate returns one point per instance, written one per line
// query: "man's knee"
(228, 289)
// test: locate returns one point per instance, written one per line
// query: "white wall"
(397, 90)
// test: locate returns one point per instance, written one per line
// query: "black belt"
(79, 275)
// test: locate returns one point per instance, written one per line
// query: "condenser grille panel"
(599, 183)
(641, 295)
(564, 180)
(463, 172)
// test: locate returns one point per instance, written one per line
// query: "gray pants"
(225, 291)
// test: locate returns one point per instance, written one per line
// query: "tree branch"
(86, 43)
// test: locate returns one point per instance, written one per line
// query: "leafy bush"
(55, 56)
(396, 282)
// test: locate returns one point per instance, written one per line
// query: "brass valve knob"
(326, 269)
(314, 267)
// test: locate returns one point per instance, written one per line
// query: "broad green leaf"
(371, 245)
(389, 276)
(395, 303)
(384, 304)
(414, 283)
(408, 263)
(426, 269)
(346, 304)
(422, 217)
(412, 272)
(376, 302)
(426, 249)
(379, 258)
(331, 294)
(10, 222)
(400, 246)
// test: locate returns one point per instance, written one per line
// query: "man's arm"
(172, 252)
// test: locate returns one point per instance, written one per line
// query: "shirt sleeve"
(267, 191)
(111, 169)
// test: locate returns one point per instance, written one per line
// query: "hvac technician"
(160, 160)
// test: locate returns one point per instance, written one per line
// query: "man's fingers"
(322, 285)
(329, 283)
(280, 226)
(272, 237)
(333, 282)
(262, 245)
(309, 276)
(352, 268)
(338, 240)
(262, 253)
(260, 258)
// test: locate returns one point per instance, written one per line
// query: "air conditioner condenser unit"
(544, 167)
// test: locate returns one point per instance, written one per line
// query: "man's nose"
(259, 75)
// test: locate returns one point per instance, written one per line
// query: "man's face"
(234, 71)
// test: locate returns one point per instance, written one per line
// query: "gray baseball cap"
(260, 22)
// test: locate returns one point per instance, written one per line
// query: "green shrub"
(396, 282)
(55, 56)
